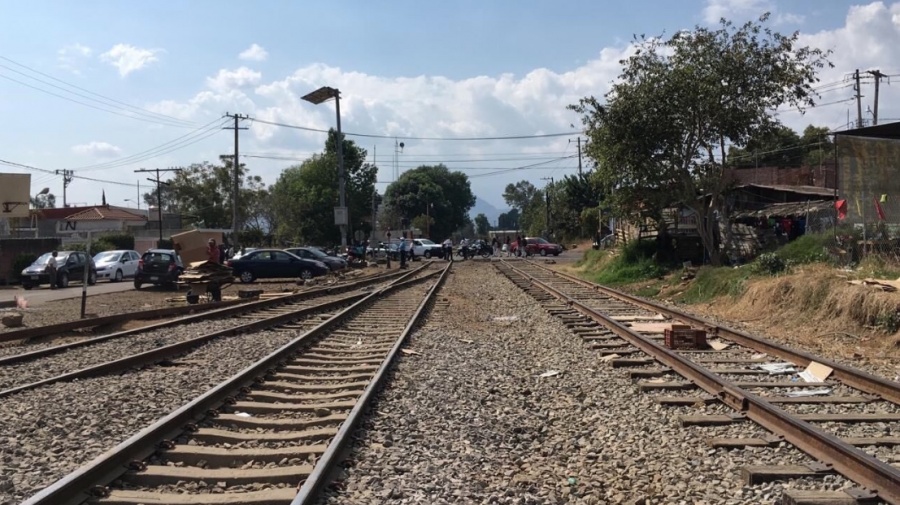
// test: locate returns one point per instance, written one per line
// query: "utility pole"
(859, 117)
(579, 155)
(547, 191)
(159, 185)
(878, 75)
(236, 163)
(67, 179)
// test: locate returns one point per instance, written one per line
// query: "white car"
(116, 265)
(422, 247)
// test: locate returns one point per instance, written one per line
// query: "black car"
(158, 267)
(314, 253)
(275, 264)
(69, 267)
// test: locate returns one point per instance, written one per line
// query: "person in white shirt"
(403, 245)
(51, 269)
(464, 247)
(448, 249)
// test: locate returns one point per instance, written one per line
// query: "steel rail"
(877, 476)
(75, 488)
(854, 377)
(216, 313)
(309, 491)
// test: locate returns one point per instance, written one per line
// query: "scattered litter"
(879, 284)
(573, 481)
(809, 392)
(649, 327)
(21, 302)
(242, 414)
(410, 351)
(358, 343)
(467, 341)
(777, 368)
(718, 345)
(609, 357)
(657, 380)
(758, 356)
(505, 318)
(657, 317)
(590, 370)
(816, 372)
(550, 373)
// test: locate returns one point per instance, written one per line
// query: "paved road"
(45, 294)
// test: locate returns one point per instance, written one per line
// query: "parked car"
(242, 252)
(116, 265)
(537, 245)
(422, 247)
(383, 249)
(160, 267)
(69, 267)
(275, 264)
(313, 253)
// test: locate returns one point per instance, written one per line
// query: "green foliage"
(22, 261)
(303, 199)
(782, 147)
(449, 194)
(769, 263)
(810, 248)
(635, 262)
(889, 321)
(659, 138)
(712, 282)
(509, 220)
(482, 225)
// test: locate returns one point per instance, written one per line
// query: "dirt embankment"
(814, 307)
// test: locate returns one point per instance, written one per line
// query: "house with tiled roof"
(54, 222)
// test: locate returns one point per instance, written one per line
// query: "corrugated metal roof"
(785, 209)
(803, 190)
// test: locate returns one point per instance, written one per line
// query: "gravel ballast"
(470, 420)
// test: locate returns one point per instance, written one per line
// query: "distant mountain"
(483, 207)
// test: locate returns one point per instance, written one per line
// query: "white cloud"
(739, 10)
(227, 80)
(254, 53)
(128, 58)
(73, 56)
(97, 150)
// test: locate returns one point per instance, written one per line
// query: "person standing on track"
(448, 250)
(51, 269)
(402, 248)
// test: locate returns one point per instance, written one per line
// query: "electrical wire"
(181, 142)
(369, 135)
(53, 172)
(121, 105)
(535, 165)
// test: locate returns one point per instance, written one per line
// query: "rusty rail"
(877, 476)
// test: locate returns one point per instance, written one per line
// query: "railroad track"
(271, 433)
(627, 330)
(159, 342)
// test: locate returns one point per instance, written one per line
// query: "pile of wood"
(205, 271)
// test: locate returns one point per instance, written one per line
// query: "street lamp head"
(44, 191)
(322, 94)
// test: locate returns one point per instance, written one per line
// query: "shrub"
(769, 263)
(22, 261)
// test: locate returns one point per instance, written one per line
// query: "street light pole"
(318, 96)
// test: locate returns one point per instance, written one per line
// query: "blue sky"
(405, 69)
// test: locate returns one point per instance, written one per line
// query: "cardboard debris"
(609, 357)
(816, 372)
(205, 271)
(649, 327)
(718, 345)
(657, 317)
(410, 351)
(759, 356)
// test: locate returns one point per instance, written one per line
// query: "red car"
(537, 245)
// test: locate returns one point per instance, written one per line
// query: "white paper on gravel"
(550, 373)
(809, 392)
(777, 368)
(816, 372)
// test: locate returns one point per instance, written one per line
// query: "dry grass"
(817, 309)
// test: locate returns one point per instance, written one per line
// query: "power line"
(202, 133)
(46, 171)
(124, 106)
(369, 135)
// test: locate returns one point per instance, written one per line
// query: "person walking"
(448, 249)
(51, 269)
(495, 246)
(464, 248)
(508, 247)
(403, 250)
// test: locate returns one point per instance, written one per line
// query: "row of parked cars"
(164, 266)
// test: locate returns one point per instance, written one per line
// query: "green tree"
(304, 196)
(482, 225)
(519, 195)
(448, 193)
(660, 138)
(817, 145)
(508, 220)
(47, 201)
(778, 147)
